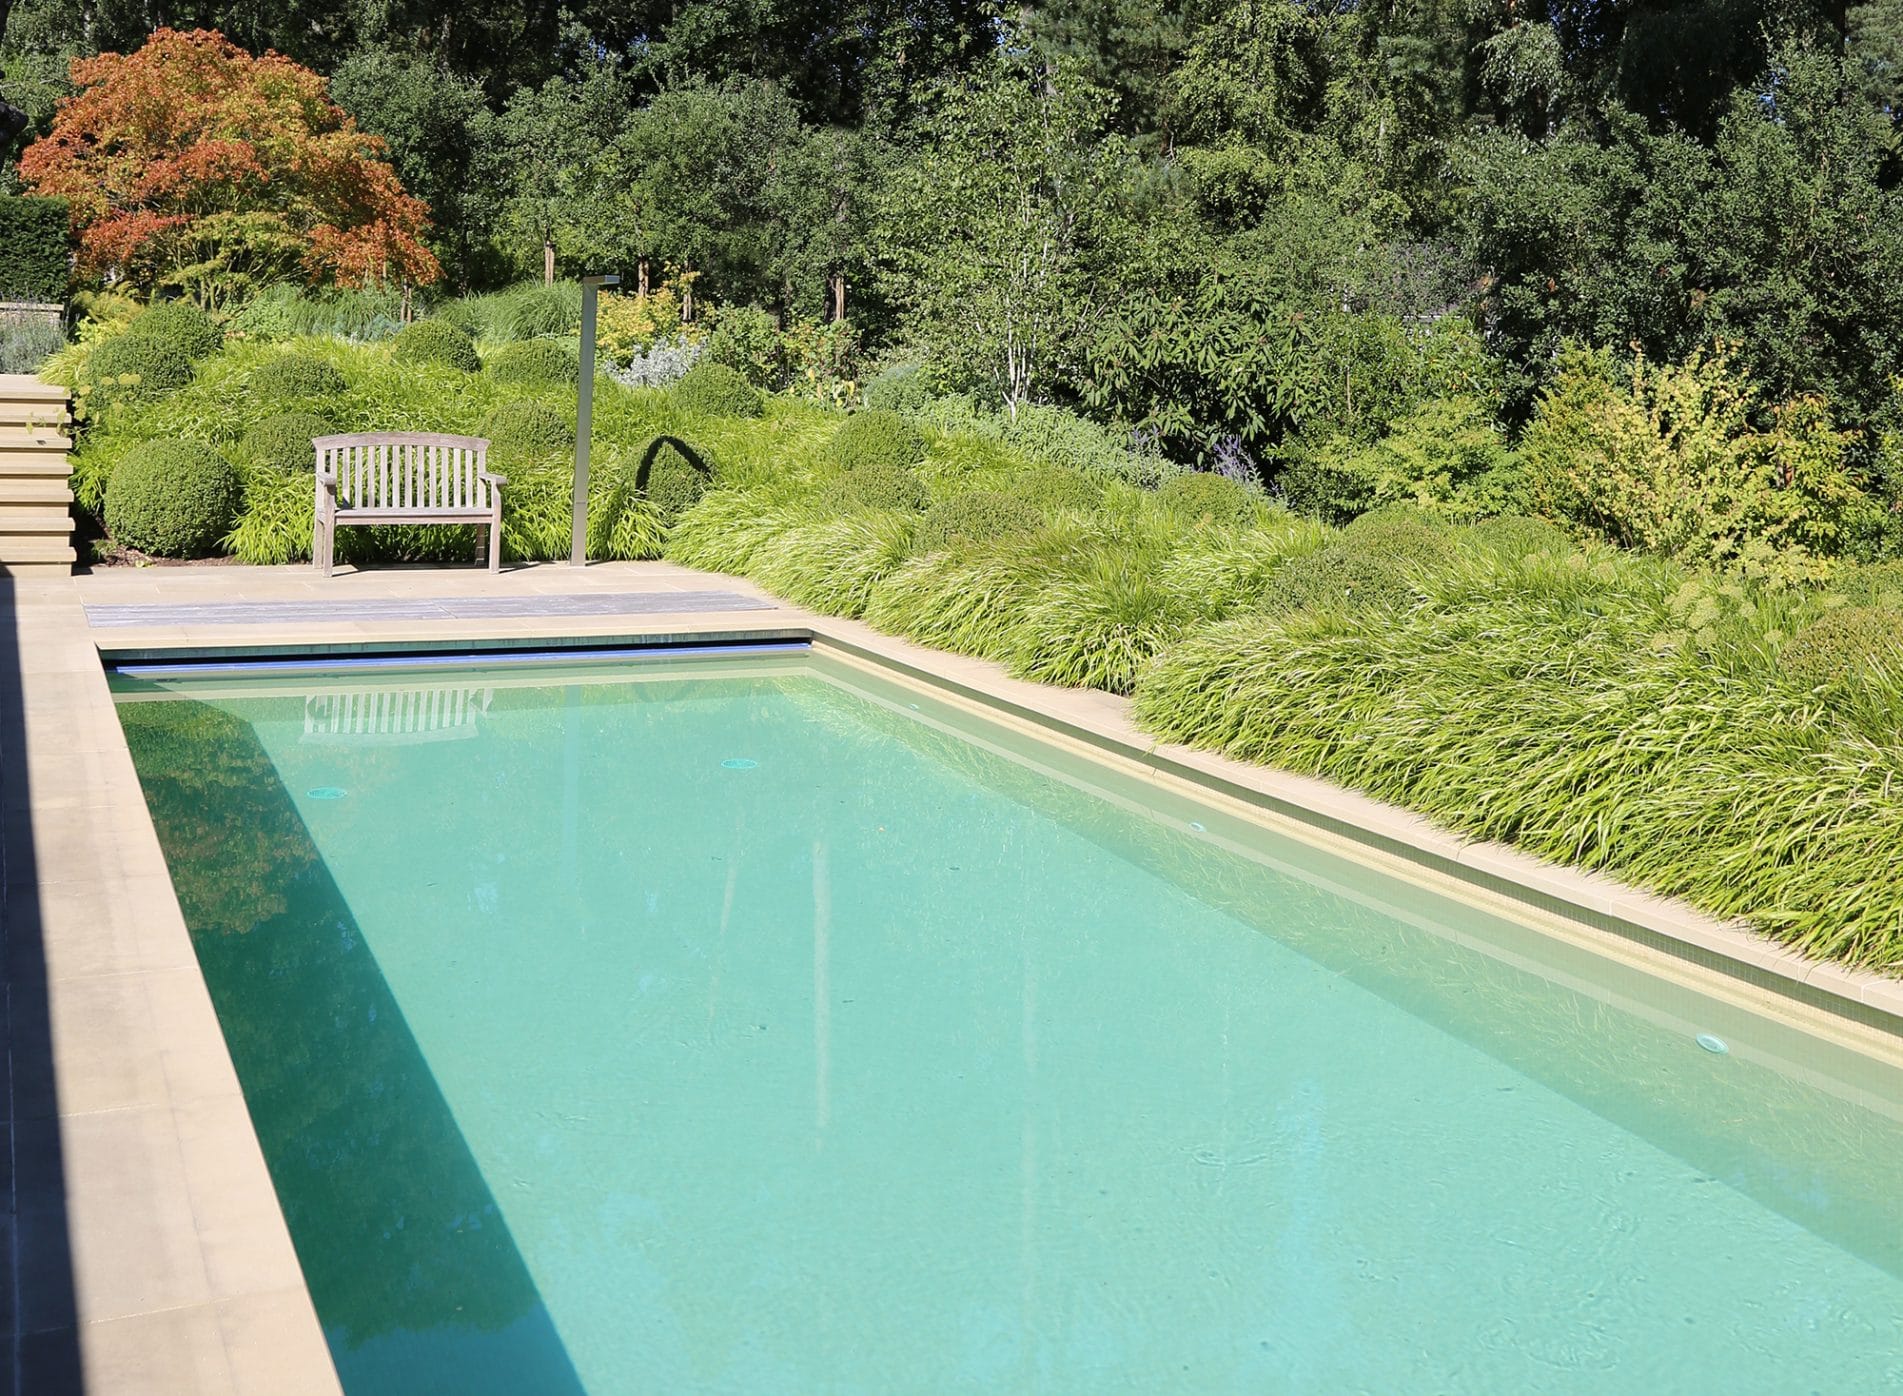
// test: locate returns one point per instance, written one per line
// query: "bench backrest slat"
(407, 471)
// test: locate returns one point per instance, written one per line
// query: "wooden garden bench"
(404, 477)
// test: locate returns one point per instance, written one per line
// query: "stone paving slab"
(452, 608)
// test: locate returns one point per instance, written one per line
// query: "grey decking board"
(630, 603)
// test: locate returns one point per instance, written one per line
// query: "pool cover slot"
(306, 664)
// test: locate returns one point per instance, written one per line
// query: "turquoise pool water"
(760, 1026)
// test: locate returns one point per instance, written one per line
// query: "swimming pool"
(761, 1024)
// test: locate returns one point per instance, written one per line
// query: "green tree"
(821, 198)
(439, 132)
(1776, 238)
(691, 177)
(841, 64)
(546, 160)
(994, 235)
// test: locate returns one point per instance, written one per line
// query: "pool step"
(36, 521)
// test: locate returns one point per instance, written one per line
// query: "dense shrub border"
(1593, 706)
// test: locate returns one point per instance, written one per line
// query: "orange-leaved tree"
(193, 166)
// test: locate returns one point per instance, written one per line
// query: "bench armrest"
(492, 477)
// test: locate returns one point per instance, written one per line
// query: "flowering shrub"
(1670, 458)
(663, 364)
(628, 327)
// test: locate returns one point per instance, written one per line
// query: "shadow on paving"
(39, 1347)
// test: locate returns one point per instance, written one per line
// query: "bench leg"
(495, 544)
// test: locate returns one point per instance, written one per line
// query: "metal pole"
(584, 418)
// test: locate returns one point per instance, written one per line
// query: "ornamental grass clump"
(978, 516)
(1517, 536)
(437, 342)
(1845, 645)
(521, 312)
(971, 602)
(714, 390)
(1228, 570)
(1100, 619)
(1560, 730)
(274, 525)
(283, 443)
(832, 565)
(172, 499)
(294, 376)
(728, 528)
(877, 439)
(534, 363)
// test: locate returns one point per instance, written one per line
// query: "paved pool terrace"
(144, 1248)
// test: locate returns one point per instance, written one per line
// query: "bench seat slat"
(346, 517)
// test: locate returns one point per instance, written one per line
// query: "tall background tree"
(1251, 222)
(191, 166)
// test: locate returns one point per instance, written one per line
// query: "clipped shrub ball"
(181, 324)
(283, 442)
(296, 376)
(1845, 644)
(1339, 576)
(535, 362)
(437, 342)
(877, 438)
(674, 483)
(875, 487)
(172, 499)
(1517, 536)
(135, 368)
(1058, 489)
(1391, 514)
(1202, 497)
(981, 516)
(1402, 540)
(714, 390)
(527, 427)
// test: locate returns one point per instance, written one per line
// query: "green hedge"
(34, 264)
